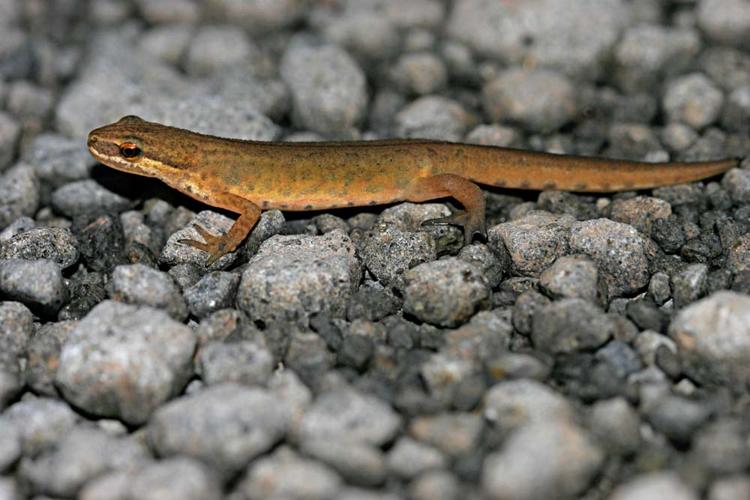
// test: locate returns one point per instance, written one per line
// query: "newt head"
(136, 146)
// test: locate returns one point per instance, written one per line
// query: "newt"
(246, 177)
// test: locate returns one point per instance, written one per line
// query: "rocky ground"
(593, 347)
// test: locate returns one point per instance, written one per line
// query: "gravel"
(146, 354)
(592, 345)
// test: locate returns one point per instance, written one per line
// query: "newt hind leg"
(471, 218)
(218, 246)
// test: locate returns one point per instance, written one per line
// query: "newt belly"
(249, 176)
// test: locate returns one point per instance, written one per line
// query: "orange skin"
(246, 177)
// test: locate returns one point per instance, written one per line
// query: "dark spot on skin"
(334, 206)
(606, 186)
(549, 185)
(350, 204)
(265, 204)
(629, 185)
(525, 185)
(371, 203)
(308, 207)
(284, 207)
(581, 186)
(500, 183)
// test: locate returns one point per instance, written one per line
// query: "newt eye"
(129, 150)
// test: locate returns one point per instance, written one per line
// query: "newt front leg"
(471, 218)
(217, 246)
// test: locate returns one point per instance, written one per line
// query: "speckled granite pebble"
(146, 354)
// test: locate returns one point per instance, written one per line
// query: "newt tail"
(249, 176)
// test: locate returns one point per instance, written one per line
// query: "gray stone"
(419, 73)
(654, 486)
(720, 447)
(169, 11)
(20, 225)
(495, 135)
(435, 485)
(738, 257)
(570, 325)
(16, 327)
(693, 99)
(258, 16)
(43, 356)
(648, 52)
(328, 88)
(215, 290)
(10, 133)
(244, 362)
(617, 426)
(409, 458)
(618, 250)
(292, 277)
(537, 99)
(214, 48)
(736, 114)
(84, 453)
(138, 284)
(357, 463)
(533, 241)
(689, 284)
(368, 35)
(552, 459)
(350, 416)
(166, 43)
(640, 212)
(41, 422)
(52, 243)
(737, 182)
(659, 288)
(713, 335)
(554, 39)
(284, 474)
(729, 488)
(389, 252)
(492, 265)
(225, 426)
(433, 117)
(36, 283)
(514, 403)
(572, 276)
(9, 489)
(19, 194)
(82, 197)
(454, 434)
(10, 445)
(146, 354)
(725, 21)
(445, 292)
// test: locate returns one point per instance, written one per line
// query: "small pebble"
(224, 426)
(547, 459)
(141, 285)
(693, 99)
(569, 325)
(653, 486)
(618, 250)
(147, 355)
(215, 290)
(433, 117)
(445, 292)
(243, 362)
(573, 276)
(538, 99)
(327, 86)
(713, 337)
(284, 474)
(36, 283)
